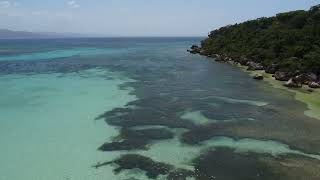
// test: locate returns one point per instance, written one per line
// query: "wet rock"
(258, 77)
(271, 69)
(311, 77)
(252, 66)
(306, 78)
(229, 59)
(195, 49)
(217, 57)
(314, 85)
(281, 76)
(244, 61)
(291, 83)
(204, 53)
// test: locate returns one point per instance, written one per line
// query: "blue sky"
(137, 17)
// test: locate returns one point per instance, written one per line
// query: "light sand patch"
(237, 101)
(198, 118)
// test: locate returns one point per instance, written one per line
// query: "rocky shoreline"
(292, 79)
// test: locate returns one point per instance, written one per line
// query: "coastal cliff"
(286, 45)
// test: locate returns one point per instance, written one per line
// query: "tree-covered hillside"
(288, 42)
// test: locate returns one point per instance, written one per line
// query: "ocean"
(142, 108)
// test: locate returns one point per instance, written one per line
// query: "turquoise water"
(48, 129)
(67, 105)
(60, 54)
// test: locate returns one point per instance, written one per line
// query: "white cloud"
(8, 4)
(5, 4)
(73, 4)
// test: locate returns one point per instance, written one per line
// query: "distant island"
(10, 34)
(286, 45)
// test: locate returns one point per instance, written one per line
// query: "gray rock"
(271, 69)
(217, 57)
(195, 49)
(281, 76)
(314, 85)
(306, 78)
(311, 77)
(258, 77)
(252, 66)
(293, 84)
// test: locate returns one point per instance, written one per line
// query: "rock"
(204, 53)
(314, 85)
(306, 78)
(229, 59)
(271, 69)
(293, 84)
(232, 62)
(299, 78)
(243, 61)
(195, 49)
(281, 76)
(258, 77)
(311, 77)
(218, 58)
(252, 66)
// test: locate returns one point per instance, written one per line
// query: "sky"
(137, 17)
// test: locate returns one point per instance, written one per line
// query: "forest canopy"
(290, 41)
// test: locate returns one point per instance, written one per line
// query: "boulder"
(299, 78)
(252, 66)
(232, 62)
(306, 78)
(229, 59)
(258, 77)
(195, 49)
(311, 77)
(204, 53)
(243, 61)
(271, 69)
(281, 76)
(293, 84)
(314, 85)
(217, 57)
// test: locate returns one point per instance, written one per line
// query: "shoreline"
(311, 99)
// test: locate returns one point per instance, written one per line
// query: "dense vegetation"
(288, 41)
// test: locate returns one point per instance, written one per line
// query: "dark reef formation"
(153, 169)
(286, 45)
(137, 139)
(224, 164)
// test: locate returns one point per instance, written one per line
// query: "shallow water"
(47, 123)
(59, 54)
(69, 104)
